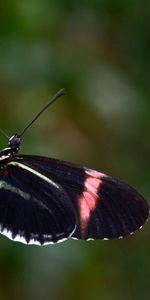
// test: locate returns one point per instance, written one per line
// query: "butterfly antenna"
(54, 98)
(4, 134)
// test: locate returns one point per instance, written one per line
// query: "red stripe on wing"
(87, 202)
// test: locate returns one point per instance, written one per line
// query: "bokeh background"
(99, 50)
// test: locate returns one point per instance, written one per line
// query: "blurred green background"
(100, 52)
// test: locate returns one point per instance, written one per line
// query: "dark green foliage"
(100, 52)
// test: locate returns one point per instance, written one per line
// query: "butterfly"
(46, 200)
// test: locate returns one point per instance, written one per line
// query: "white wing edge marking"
(23, 166)
(22, 240)
(115, 238)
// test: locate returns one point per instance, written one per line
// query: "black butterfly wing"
(33, 208)
(112, 209)
(105, 207)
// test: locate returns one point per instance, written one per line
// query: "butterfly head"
(14, 142)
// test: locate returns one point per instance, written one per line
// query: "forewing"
(109, 208)
(33, 208)
(106, 207)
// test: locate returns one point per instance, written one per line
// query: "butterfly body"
(46, 200)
